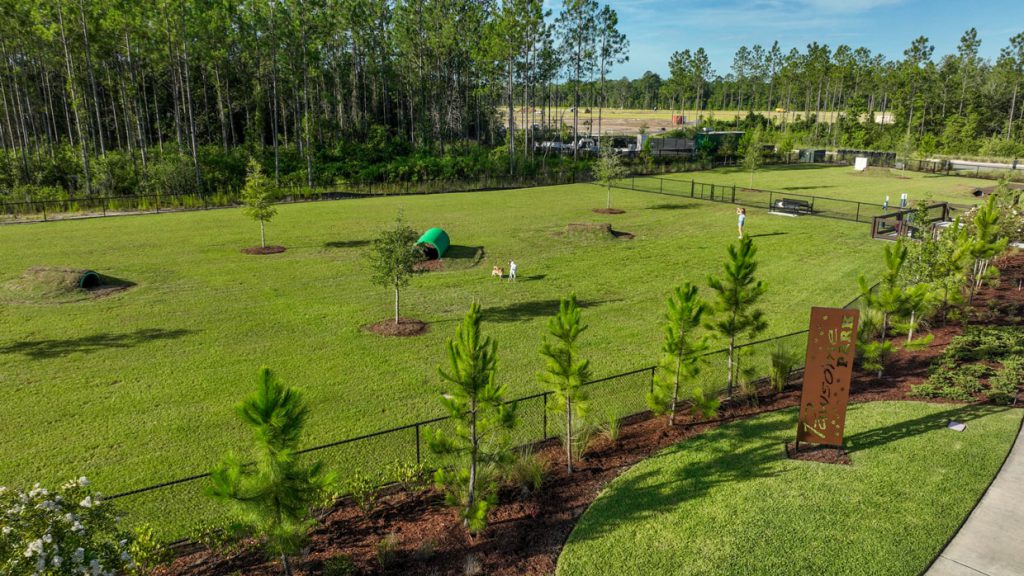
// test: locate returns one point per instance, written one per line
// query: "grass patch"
(844, 183)
(139, 387)
(730, 502)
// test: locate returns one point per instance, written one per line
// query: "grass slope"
(730, 502)
(138, 387)
(844, 183)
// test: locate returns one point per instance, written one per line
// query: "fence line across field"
(182, 502)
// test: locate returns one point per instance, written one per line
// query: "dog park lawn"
(844, 183)
(731, 502)
(139, 386)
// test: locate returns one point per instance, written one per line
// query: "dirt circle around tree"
(428, 266)
(261, 250)
(609, 211)
(406, 327)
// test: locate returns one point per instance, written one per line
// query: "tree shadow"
(735, 453)
(459, 252)
(532, 309)
(907, 428)
(53, 348)
(669, 206)
(795, 188)
(347, 244)
(766, 234)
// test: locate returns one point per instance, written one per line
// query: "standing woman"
(742, 218)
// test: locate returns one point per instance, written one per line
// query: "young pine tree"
(275, 496)
(479, 443)
(753, 157)
(608, 170)
(564, 370)
(392, 258)
(736, 295)
(986, 243)
(258, 198)
(681, 349)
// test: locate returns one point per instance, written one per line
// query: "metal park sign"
(831, 344)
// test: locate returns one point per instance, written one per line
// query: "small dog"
(497, 271)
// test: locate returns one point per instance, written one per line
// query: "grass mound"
(591, 231)
(56, 284)
(731, 502)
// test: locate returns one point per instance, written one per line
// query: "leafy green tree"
(752, 156)
(986, 243)
(681, 349)
(907, 147)
(737, 293)
(393, 256)
(608, 170)
(274, 496)
(258, 197)
(479, 442)
(564, 370)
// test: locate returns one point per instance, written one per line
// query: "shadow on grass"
(668, 206)
(900, 430)
(735, 453)
(43, 349)
(795, 188)
(766, 234)
(347, 244)
(532, 309)
(459, 252)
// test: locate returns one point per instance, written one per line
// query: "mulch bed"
(609, 211)
(405, 327)
(264, 250)
(526, 533)
(817, 453)
(428, 266)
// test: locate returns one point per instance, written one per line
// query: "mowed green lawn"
(844, 183)
(139, 387)
(729, 502)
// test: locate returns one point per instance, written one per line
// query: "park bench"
(791, 206)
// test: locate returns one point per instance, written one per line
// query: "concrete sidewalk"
(991, 542)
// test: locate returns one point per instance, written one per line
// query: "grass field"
(729, 502)
(138, 387)
(844, 183)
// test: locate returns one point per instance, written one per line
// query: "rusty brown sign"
(831, 344)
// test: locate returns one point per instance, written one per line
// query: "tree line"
(114, 98)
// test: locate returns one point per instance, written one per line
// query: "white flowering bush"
(64, 532)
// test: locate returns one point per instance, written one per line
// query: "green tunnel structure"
(434, 243)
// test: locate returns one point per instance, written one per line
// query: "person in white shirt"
(512, 270)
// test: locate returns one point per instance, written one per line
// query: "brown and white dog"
(497, 271)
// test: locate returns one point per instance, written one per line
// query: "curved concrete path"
(991, 542)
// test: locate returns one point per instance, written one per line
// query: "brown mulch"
(405, 327)
(817, 453)
(526, 533)
(264, 250)
(428, 265)
(609, 211)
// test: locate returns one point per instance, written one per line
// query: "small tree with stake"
(393, 256)
(681, 350)
(608, 170)
(564, 370)
(482, 421)
(276, 494)
(258, 198)
(737, 293)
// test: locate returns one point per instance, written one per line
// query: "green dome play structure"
(434, 243)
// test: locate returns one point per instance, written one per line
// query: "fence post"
(632, 181)
(771, 205)
(691, 187)
(857, 218)
(44, 211)
(545, 415)
(653, 368)
(661, 185)
(417, 444)
(733, 193)
(104, 199)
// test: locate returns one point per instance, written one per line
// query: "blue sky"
(656, 28)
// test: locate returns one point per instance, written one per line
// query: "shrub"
(364, 490)
(953, 382)
(339, 566)
(67, 531)
(783, 360)
(387, 550)
(527, 472)
(1004, 385)
(612, 428)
